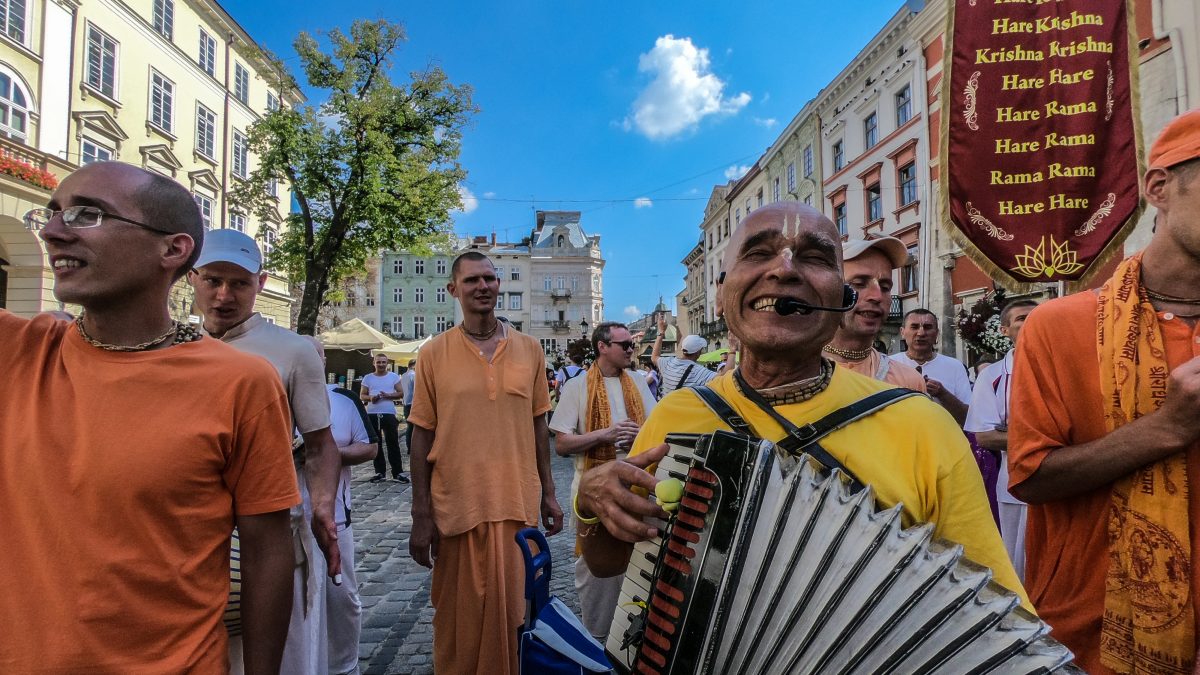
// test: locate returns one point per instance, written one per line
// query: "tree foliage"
(375, 166)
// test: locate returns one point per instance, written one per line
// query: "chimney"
(493, 237)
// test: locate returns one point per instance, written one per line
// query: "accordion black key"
(774, 564)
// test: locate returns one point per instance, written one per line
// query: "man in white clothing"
(988, 419)
(380, 390)
(407, 382)
(946, 379)
(680, 371)
(597, 418)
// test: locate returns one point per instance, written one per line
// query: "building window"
(12, 19)
(775, 190)
(574, 283)
(206, 132)
(418, 327)
(273, 187)
(748, 209)
(808, 161)
(241, 83)
(208, 54)
(441, 324)
(370, 300)
(269, 238)
(791, 176)
(908, 184)
(514, 301)
(874, 203)
(499, 301)
(419, 295)
(397, 297)
(546, 283)
(839, 218)
(909, 281)
(839, 156)
(240, 155)
(101, 62)
(398, 266)
(903, 105)
(441, 295)
(737, 220)
(759, 200)
(206, 209)
(164, 17)
(515, 275)
(808, 200)
(499, 272)
(871, 130)
(237, 222)
(419, 266)
(441, 267)
(562, 283)
(726, 226)
(14, 109)
(162, 102)
(272, 102)
(93, 152)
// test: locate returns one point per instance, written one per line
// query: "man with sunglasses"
(131, 449)
(597, 418)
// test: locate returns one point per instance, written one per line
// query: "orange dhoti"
(478, 598)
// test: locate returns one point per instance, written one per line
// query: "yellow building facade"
(169, 85)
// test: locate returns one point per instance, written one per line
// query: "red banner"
(1040, 144)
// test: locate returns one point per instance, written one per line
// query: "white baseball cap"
(693, 344)
(230, 246)
(891, 247)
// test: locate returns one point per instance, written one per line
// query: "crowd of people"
(217, 535)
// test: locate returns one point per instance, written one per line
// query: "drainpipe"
(1161, 32)
(225, 135)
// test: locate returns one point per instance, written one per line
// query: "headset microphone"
(786, 306)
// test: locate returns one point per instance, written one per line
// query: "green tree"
(375, 166)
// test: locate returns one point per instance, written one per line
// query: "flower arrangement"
(980, 326)
(28, 173)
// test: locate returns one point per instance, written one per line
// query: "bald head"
(788, 218)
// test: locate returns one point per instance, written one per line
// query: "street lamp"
(583, 326)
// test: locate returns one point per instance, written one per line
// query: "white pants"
(597, 599)
(344, 611)
(1012, 530)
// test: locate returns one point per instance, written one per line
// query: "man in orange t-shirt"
(480, 472)
(131, 449)
(1107, 462)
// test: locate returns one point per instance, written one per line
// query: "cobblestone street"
(397, 632)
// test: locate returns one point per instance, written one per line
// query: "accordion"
(775, 564)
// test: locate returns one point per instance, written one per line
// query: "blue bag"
(553, 641)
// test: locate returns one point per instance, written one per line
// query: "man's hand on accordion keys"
(604, 491)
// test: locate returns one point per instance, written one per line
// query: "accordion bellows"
(773, 564)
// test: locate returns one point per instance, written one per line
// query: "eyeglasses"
(78, 218)
(627, 345)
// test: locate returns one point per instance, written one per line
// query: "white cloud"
(489, 195)
(736, 171)
(766, 123)
(642, 203)
(469, 201)
(632, 312)
(683, 92)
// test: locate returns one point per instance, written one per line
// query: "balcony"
(39, 160)
(559, 326)
(561, 294)
(711, 329)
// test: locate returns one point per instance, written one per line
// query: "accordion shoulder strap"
(804, 438)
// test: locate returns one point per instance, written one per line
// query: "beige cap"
(893, 248)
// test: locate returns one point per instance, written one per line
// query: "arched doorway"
(26, 280)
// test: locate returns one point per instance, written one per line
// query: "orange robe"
(1056, 403)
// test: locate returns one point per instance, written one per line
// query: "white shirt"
(673, 368)
(348, 428)
(381, 384)
(945, 369)
(571, 415)
(989, 409)
(407, 382)
(571, 370)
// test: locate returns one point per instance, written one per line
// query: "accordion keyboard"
(774, 565)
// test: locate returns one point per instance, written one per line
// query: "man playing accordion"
(910, 452)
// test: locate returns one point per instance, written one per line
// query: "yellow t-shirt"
(911, 452)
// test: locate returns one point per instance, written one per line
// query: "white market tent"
(403, 352)
(355, 335)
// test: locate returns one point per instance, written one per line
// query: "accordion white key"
(772, 564)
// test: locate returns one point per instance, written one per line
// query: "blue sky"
(577, 111)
